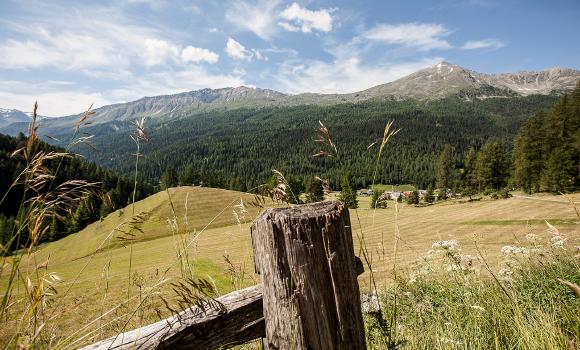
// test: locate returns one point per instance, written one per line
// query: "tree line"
(113, 191)
(237, 149)
(544, 156)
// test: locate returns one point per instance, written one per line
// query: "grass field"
(97, 270)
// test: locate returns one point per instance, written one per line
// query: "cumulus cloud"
(111, 58)
(258, 17)
(296, 18)
(237, 51)
(158, 51)
(192, 54)
(493, 44)
(422, 36)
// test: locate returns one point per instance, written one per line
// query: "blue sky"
(69, 54)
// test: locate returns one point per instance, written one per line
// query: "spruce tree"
(429, 196)
(347, 194)
(315, 192)
(445, 168)
(169, 178)
(413, 198)
(468, 180)
(492, 166)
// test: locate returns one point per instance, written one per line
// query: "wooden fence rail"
(309, 298)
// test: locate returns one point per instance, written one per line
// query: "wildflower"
(557, 242)
(505, 274)
(370, 302)
(450, 245)
(532, 237)
(512, 250)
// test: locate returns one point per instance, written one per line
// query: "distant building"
(365, 192)
(394, 195)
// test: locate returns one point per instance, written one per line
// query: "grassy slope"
(419, 228)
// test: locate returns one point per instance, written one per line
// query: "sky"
(71, 54)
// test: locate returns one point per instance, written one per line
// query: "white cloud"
(343, 75)
(237, 51)
(53, 103)
(110, 58)
(158, 51)
(493, 44)
(422, 36)
(196, 55)
(258, 17)
(305, 20)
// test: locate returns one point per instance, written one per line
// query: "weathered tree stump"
(311, 296)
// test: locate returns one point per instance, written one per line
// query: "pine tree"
(445, 168)
(169, 178)
(187, 176)
(56, 230)
(560, 170)
(429, 196)
(295, 189)
(413, 198)
(315, 191)
(81, 217)
(527, 155)
(468, 180)
(347, 194)
(492, 166)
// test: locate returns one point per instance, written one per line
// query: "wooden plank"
(239, 321)
(311, 297)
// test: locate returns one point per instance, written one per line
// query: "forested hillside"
(112, 191)
(238, 149)
(547, 148)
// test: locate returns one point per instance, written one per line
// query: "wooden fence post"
(311, 296)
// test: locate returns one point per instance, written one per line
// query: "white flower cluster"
(463, 263)
(513, 250)
(532, 237)
(505, 274)
(557, 242)
(446, 245)
(370, 303)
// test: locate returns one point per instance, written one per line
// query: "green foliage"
(413, 198)
(430, 196)
(378, 200)
(547, 148)
(169, 178)
(445, 168)
(315, 191)
(533, 310)
(248, 143)
(295, 188)
(347, 193)
(468, 182)
(187, 176)
(492, 165)
(114, 191)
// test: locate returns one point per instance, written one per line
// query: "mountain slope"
(436, 82)
(10, 116)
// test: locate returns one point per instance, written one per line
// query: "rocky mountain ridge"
(439, 81)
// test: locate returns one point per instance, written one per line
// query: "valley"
(94, 257)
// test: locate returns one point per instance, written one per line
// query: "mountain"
(9, 116)
(544, 82)
(432, 83)
(445, 79)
